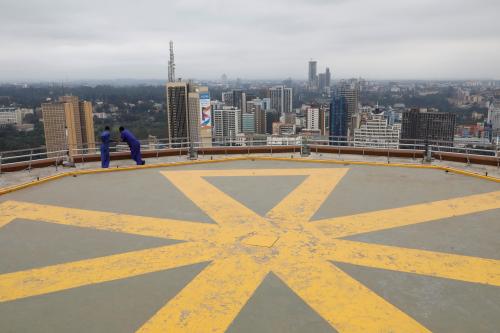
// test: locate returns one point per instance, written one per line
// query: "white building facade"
(376, 133)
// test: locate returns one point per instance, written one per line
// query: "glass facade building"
(338, 118)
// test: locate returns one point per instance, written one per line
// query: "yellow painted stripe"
(254, 158)
(223, 209)
(398, 165)
(469, 173)
(444, 265)
(302, 203)
(137, 225)
(14, 188)
(344, 302)
(212, 300)
(408, 215)
(5, 219)
(54, 278)
(255, 172)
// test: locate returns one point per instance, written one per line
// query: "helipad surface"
(260, 246)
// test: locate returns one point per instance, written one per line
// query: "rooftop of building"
(253, 244)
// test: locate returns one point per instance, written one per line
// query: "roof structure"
(252, 246)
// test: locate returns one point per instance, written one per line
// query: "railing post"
(31, 158)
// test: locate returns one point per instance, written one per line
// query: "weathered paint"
(243, 248)
(229, 159)
(398, 217)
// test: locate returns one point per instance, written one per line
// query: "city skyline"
(53, 41)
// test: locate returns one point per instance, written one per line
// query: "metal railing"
(437, 148)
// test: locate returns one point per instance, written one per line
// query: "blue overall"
(135, 146)
(105, 139)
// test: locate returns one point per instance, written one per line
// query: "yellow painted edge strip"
(230, 159)
(399, 165)
(118, 169)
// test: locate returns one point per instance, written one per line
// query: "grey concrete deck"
(124, 305)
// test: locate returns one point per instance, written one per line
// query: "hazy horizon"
(67, 41)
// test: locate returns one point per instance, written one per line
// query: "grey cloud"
(68, 39)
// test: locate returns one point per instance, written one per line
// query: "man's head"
(106, 128)
(122, 128)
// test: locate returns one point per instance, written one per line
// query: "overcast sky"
(109, 39)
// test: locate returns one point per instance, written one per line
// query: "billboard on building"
(206, 110)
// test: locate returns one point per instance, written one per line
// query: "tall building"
(322, 81)
(177, 112)
(350, 92)
(281, 99)
(68, 124)
(272, 117)
(376, 132)
(199, 116)
(87, 124)
(266, 103)
(493, 120)
(226, 123)
(338, 118)
(74, 103)
(10, 116)
(239, 99)
(428, 126)
(227, 98)
(312, 118)
(188, 113)
(328, 77)
(312, 75)
(248, 125)
(255, 107)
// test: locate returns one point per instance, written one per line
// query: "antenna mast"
(171, 64)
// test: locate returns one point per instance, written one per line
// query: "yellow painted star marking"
(243, 247)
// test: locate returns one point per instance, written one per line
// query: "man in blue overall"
(134, 144)
(105, 140)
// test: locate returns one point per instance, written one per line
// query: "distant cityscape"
(355, 111)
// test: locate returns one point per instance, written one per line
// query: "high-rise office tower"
(312, 75)
(428, 127)
(272, 117)
(350, 92)
(68, 124)
(255, 107)
(281, 99)
(248, 120)
(324, 116)
(239, 99)
(493, 120)
(188, 113)
(321, 81)
(177, 112)
(195, 123)
(312, 118)
(328, 77)
(266, 103)
(77, 119)
(338, 118)
(87, 124)
(226, 122)
(227, 98)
